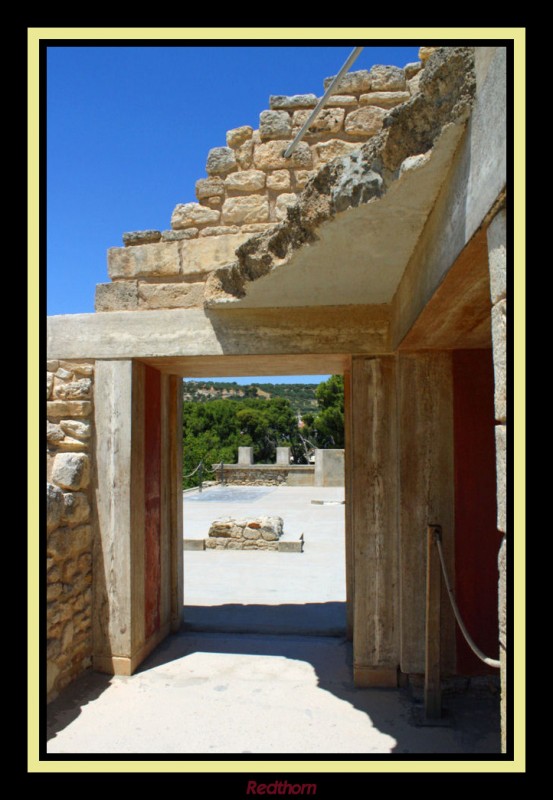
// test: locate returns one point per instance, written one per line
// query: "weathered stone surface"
(293, 101)
(301, 176)
(219, 230)
(213, 202)
(352, 82)
(52, 365)
(71, 470)
(54, 433)
(76, 428)
(187, 215)
(54, 507)
(268, 155)
(412, 69)
(146, 259)
(261, 533)
(170, 295)
(76, 509)
(116, 296)
(64, 373)
(176, 236)
(238, 210)
(275, 125)
(330, 120)
(251, 533)
(71, 445)
(387, 79)
(237, 136)
(252, 180)
(413, 84)
(279, 180)
(335, 148)
(414, 162)
(499, 339)
(49, 384)
(341, 100)
(244, 154)
(497, 256)
(141, 237)
(87, 370)
(201, 256)
(384, 99)
(426, 52)
(210, 187)
(220, 161)
(501, 476)
(74, 390)
(71, 408)
(366, 121)
(256, 227)
(283, 202)
(65, 543)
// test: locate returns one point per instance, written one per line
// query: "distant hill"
(301, 395)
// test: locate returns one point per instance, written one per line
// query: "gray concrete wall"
(329, 468)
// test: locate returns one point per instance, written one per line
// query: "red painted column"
(152, 500)
(476, 537)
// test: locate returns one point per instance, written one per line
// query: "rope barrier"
(491, 662)
(193, 471)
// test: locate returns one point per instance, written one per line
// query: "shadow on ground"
(311, 619)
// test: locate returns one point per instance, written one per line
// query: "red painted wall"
(152, 499)
(476, 537)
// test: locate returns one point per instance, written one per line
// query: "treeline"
(213, 430)
(301, 395)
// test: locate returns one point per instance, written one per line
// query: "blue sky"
(129, 130)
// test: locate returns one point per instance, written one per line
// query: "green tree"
(326, 428)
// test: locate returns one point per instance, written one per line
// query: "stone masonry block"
(352, 82)
(499, 339)
(145, 260)
(283, 203)
(188, 215)
(238, 210)
(293, 101)
(140, 237)
(268, 155)
(275, 124)
(335, 148)
(387, 79)
(117, 296)
(384, 99)
(501, 476)
(330, 120)
(71, 470)
(366, 121)
(497, 256)
(251, 180)
(170, 295)
(237, 136)
(221, 161)
(54, 506)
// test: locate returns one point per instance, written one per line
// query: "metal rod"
(315, 113)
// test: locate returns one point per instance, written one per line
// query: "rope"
(193, 471)
(491, 662)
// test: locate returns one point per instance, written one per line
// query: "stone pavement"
(262, 664)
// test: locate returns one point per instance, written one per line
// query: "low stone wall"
(261, 533)
(69, 531)
(249, 188)
(266, 474)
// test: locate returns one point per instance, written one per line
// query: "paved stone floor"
(262, 665)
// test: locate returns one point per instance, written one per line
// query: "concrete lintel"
(197, 332)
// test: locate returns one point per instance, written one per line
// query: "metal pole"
(318, 108)
(432, 684)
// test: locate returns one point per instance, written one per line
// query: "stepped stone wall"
(69, 531)
(249, 188)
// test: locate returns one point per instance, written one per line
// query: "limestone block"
(412, 69)
(501, 476)
(219, 230)
(293, 101)
(76, 428)
(414, 162)
(174, 236)
(76, 509)
(268, 155)
(335, 148)
(387, 79)
(212, 202)
(64, 373)
(251, 532)
(74, 390)
(497, 256)
(187, 215)
(499, 339)
(210, 187)
(279, 180)
(283, 202)
(72, 408)
(201, 256)
(146, 260)
(54, 507)
(425, 53)
(384, 99)
(66, 543)
(220, 161)
(238, 210)
(117, 296)
(170, 295)
(352, 82)
(256, 227)
(301, 176)
(275, 125)
(141, 237)
(251, 180)
(71, 445)
(244, 154)
(366, 121)
(413, 84)
(330, 120)
(342, 101)
(49, 384)
(54, 433)
(71, 470)
(83, 369)
(237, 136)
(52, 366)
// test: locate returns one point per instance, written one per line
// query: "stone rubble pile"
(261, 533)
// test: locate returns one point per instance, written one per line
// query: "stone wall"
(249, 187)
(69, 530)
(261, 533)
(266, 474)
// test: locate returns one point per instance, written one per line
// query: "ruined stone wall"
(69, 529)
(249, 188)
